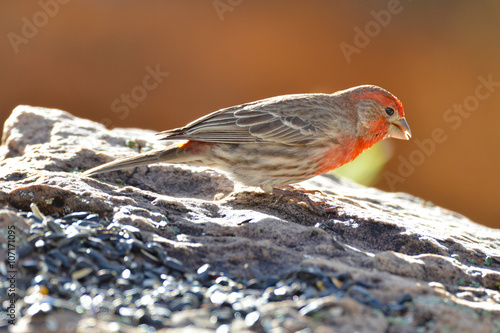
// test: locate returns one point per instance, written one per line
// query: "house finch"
(281, 140)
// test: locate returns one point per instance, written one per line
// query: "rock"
(398, 263)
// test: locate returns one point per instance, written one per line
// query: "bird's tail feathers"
(170, 155)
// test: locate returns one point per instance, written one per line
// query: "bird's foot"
(301, 194)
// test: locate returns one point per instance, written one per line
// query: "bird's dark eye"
(389, 111)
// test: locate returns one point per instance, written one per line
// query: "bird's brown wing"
(283, 119)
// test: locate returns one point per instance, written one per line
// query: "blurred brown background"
(86, 56)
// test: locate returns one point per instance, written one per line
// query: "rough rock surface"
(395, 242)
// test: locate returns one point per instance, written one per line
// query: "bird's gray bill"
(399, 130)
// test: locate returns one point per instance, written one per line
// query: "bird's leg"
(301, 195)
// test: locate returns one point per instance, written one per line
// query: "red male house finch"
(281, 140)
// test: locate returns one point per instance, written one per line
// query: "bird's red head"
(379, 95)
(381, 110)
